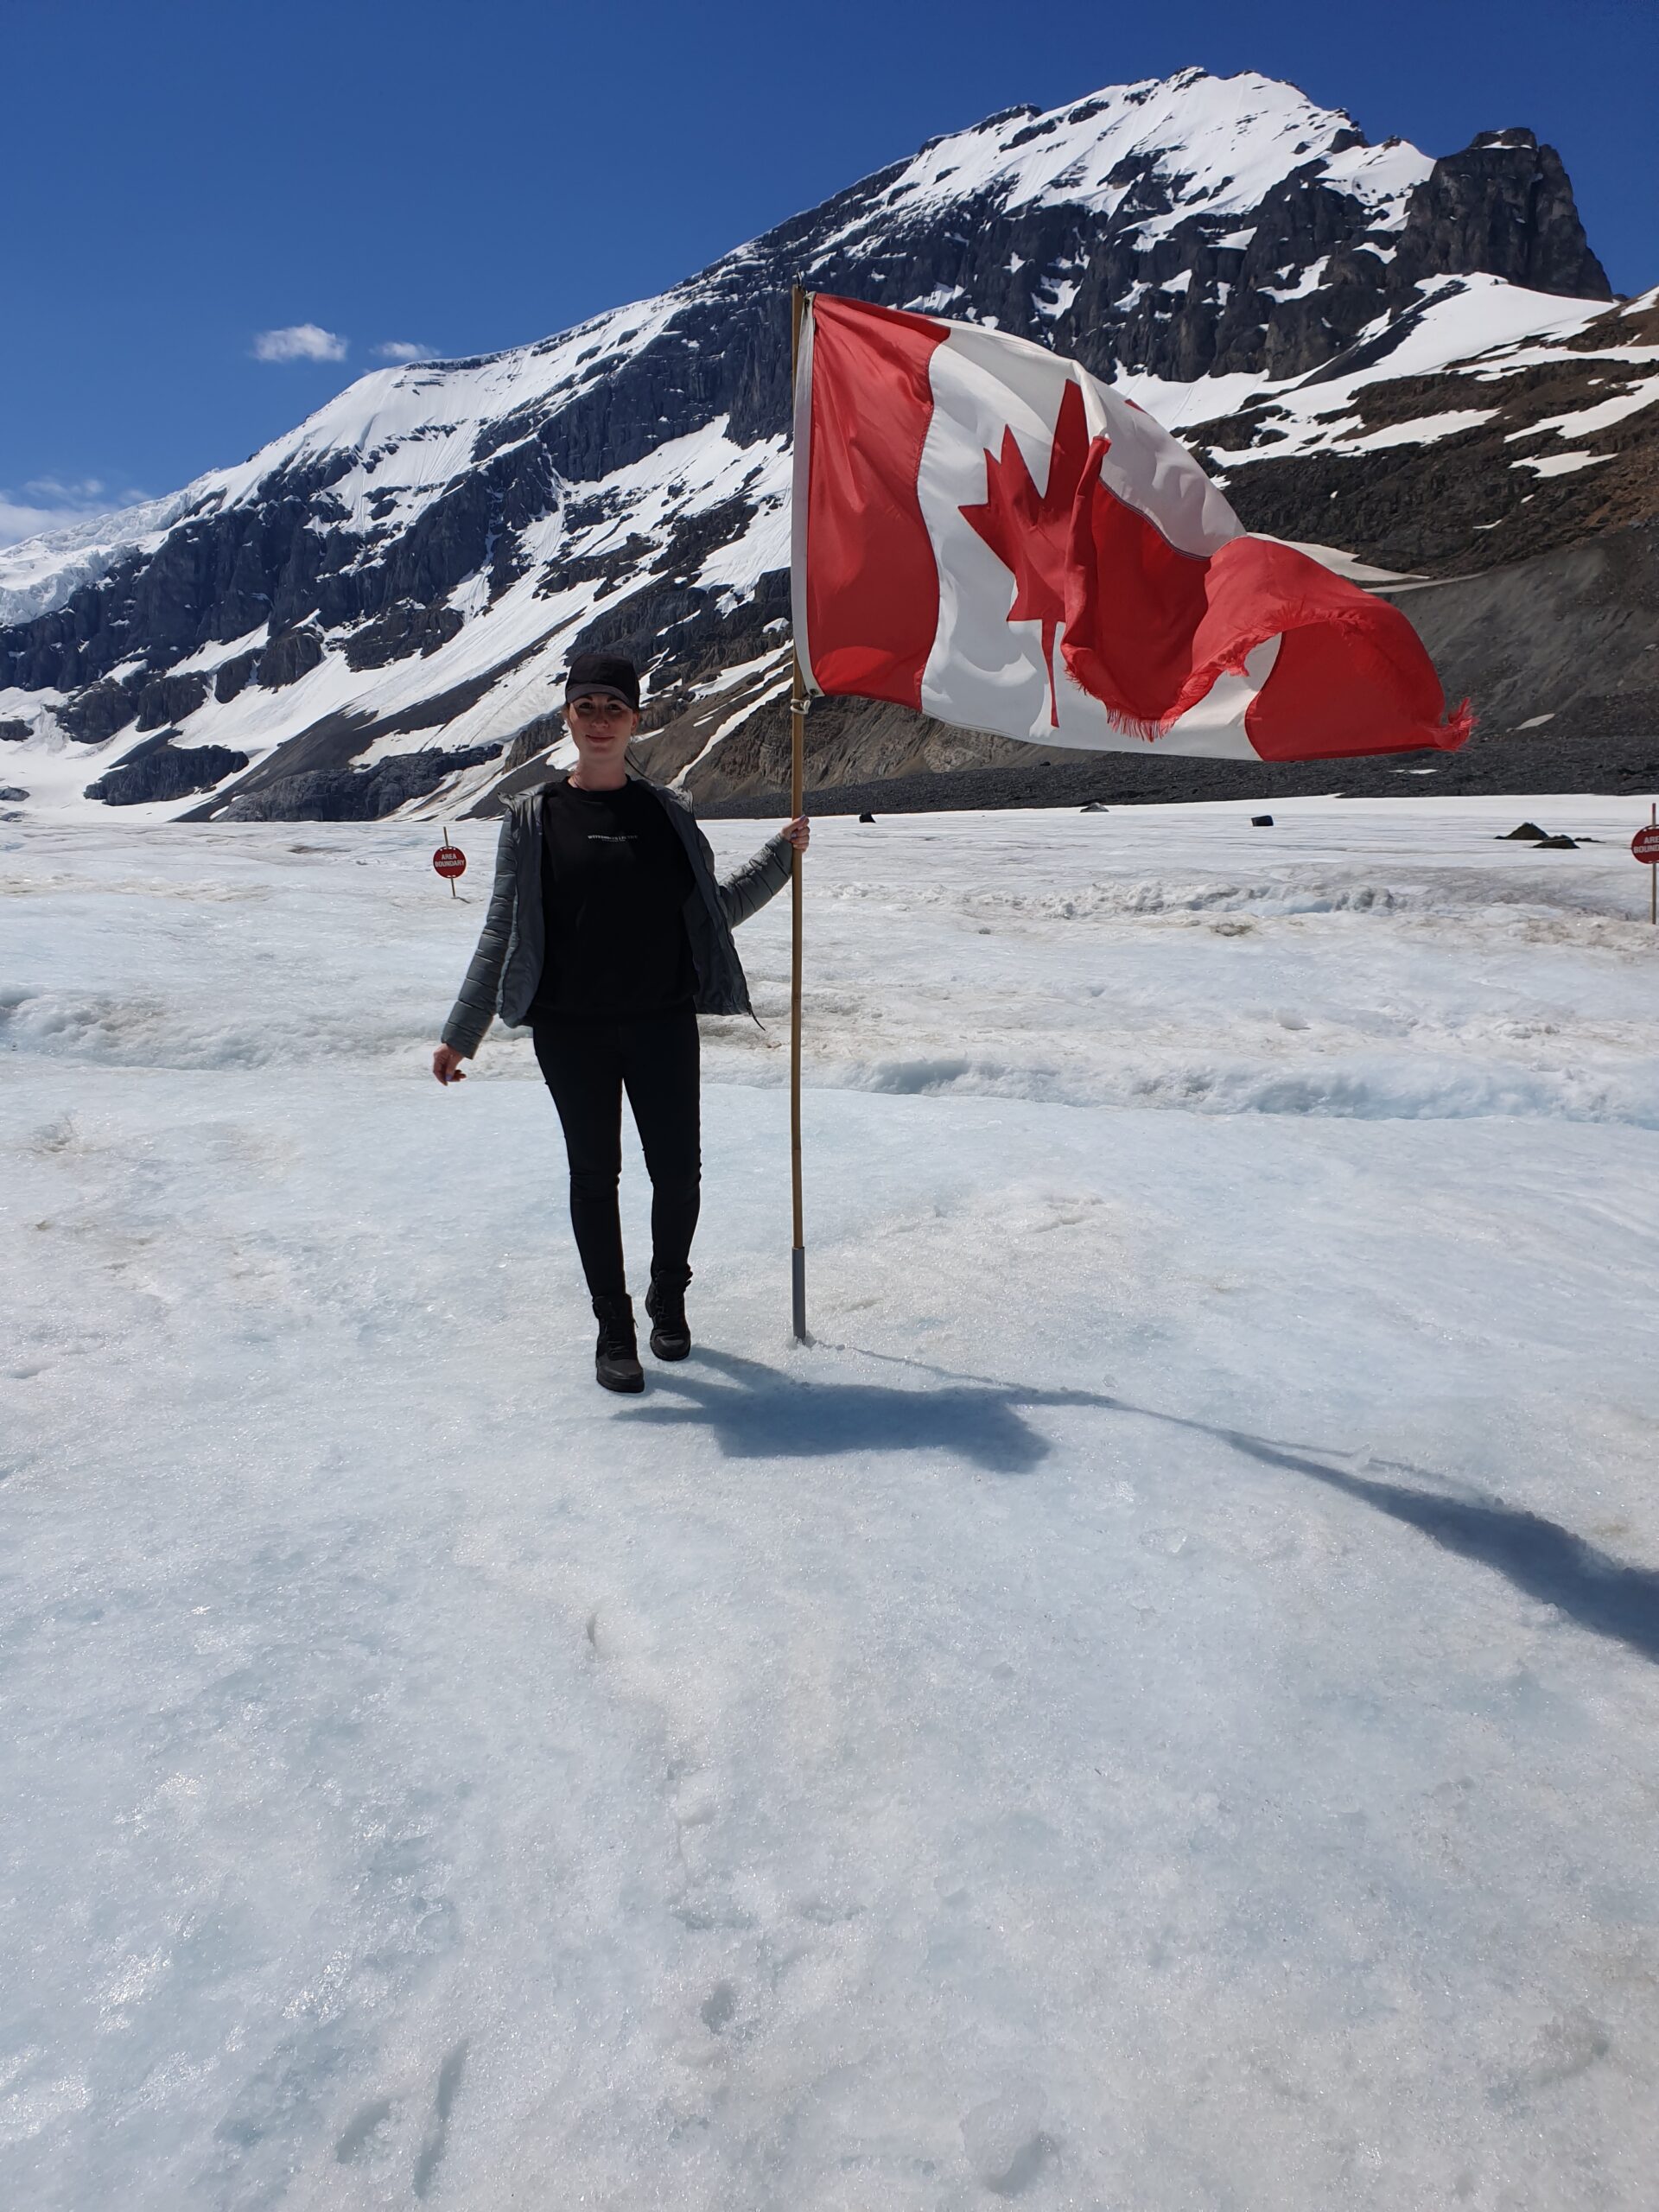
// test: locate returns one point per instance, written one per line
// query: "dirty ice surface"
(1156, 1710)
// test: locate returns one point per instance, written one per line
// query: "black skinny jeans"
(587, 1065)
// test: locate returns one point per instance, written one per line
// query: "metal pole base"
(798, 1272)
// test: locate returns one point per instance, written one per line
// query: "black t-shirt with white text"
(614, 882)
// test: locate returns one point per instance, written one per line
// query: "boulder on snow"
(356, 794)
(1528, 830)
(170, 699)
(98, 712)
(287, 658)
(160, 772)
(534, 738)
(406, 628)
(233, 675)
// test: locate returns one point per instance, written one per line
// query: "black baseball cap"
(607, 674)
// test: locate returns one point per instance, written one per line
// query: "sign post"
(1645, 846)
(450, 862)
(797, 800)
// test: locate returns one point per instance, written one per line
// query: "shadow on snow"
(758, 1412)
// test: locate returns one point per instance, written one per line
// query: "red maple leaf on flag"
(1030, 531)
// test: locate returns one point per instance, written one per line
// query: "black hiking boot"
(670, 1333)
(616, 1357)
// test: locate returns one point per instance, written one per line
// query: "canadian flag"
(985, 531)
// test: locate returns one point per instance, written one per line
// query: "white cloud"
(301, 341)
(48, 503)
(52, 487)
(18, 521)
(399, 349)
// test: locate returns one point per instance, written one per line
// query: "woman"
(610, 932)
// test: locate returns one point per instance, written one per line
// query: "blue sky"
(184, 175)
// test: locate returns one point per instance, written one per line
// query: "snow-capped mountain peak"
(1218, 144)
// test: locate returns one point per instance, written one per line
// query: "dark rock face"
(1498, 637)
(233, 675)
(15, 733)
(532, 740)
(287, 658)
(170, 699)
(157, 770)
(1504, 205)
(98, 713)
(355, 794)
(405, 627)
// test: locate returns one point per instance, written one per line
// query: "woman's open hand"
(799, 832)
(446, 1064)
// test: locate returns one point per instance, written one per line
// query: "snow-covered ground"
(1157, 1710)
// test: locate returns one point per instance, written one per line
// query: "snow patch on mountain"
(1465, 322)
(1604, 414)
(1561, 464)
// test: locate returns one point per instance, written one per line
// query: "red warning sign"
(449, 861)
(1645, 846)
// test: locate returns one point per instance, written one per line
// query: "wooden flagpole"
(797, 779)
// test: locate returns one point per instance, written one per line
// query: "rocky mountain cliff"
(1399, 354)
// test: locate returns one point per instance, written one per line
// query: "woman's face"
(601, 727)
